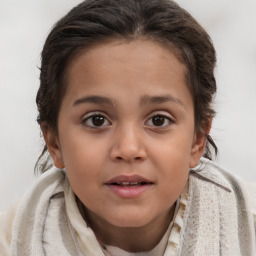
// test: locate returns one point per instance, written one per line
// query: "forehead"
(139, 54)
(120, 65)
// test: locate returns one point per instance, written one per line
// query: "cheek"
(172, 159)
(83, 163)
(173, 182)
(84, 168)
(173, 151)
(85, 179)
(81, 150)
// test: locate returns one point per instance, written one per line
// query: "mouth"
(129, 181)
(129, 186)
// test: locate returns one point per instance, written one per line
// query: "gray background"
(24, 26)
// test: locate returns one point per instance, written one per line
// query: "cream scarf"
(217, 219)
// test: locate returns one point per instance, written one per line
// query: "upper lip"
(128, 179)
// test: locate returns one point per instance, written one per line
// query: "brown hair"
(97, 21)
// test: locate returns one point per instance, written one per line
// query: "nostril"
(138, 159)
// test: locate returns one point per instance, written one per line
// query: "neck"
(131, 239)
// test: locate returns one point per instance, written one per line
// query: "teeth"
(125, 183)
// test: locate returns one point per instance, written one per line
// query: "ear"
(53, 145)
(199, 142)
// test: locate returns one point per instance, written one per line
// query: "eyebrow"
(94, 99)
(146, 99)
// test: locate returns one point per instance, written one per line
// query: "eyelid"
(93, 113)
(164, 113)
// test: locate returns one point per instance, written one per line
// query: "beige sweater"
(218, 219)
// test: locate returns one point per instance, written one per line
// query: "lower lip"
(129, 192)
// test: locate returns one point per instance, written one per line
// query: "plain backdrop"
(24, 25)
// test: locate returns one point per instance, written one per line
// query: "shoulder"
(6, 224)
(251, 191)
(11, 219)
(212, 172)
(244, 191)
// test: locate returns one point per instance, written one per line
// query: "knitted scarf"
(217, 219)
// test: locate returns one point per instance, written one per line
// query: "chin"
(129, 221)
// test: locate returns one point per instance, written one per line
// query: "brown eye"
(96, 121)
(159, 121)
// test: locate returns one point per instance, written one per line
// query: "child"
(125, 107)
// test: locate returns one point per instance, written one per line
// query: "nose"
(128, 145)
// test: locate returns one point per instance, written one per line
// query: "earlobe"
(53, 145)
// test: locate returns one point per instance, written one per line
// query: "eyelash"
(104, 122)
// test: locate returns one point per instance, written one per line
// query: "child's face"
(127, 116)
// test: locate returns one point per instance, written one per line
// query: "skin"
(130, 75)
